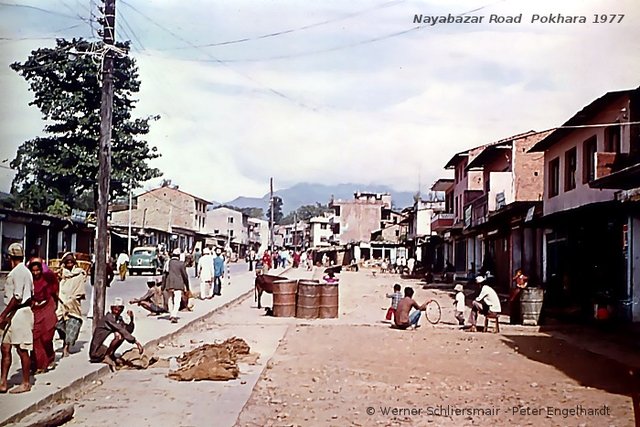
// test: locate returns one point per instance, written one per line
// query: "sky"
(331, 92)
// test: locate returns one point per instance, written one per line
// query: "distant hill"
(308, 194)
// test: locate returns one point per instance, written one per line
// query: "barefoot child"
(396, 296)
(459, 304)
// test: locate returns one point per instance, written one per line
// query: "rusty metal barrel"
(531, 300)
(328, 301)
(308, 304)
(284, 298)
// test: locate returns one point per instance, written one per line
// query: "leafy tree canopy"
(305, 213)
(277, 211)
(63, 164)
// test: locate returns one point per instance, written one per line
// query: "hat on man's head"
(458, 288)
(176, 251)
(480, 279)
(118, 302)
(15, 249)
(206, 251)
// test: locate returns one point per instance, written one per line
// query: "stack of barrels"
(305, 299)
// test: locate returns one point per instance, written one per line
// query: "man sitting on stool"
(487, 303)
(112, 323)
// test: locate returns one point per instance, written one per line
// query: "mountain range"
(310, 194)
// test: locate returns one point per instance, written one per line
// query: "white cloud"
(380, 112)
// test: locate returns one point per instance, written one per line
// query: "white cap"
(118, 302)
(15, 250)
(206, 251)
(480, 279)
(176, 251)
(458, 288)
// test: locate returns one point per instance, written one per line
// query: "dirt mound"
(213, 362)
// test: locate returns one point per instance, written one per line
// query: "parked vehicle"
(144, 258)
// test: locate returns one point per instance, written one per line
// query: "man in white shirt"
(16, 320)
(486, 303)
(205, 272)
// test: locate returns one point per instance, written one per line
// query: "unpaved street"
(356, 371)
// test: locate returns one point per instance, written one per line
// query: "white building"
(230, 224)
(320, 231)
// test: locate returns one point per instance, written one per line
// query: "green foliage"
(277, 211)
(63, 164)
(59, 208)
(250, 212)
(305, 213)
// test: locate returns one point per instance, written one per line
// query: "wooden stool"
(496, 317)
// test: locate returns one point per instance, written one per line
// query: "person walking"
(218, 273)
(122, 264)
(252, 258)
(176, 282)
(43, 305)
(69, 312)
(205, 272)
(196, 259)
(16, 320)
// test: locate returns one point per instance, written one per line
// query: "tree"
(63, 164)
(305, 213)
(277, 210)
(250, 212)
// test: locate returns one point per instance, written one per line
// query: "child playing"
(396, 296)
(459, 304)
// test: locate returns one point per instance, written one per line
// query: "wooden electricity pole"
(104, 159)
(271, 214)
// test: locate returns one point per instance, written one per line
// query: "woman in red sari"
(43, 304)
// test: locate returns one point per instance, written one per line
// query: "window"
(323, 226)
(230, 233)
(589, 148)
(216, 231)
(570, 162)
(612, 139)
(230, 220)
(554, 177)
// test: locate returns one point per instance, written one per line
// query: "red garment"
(266, 260)
(43, 305)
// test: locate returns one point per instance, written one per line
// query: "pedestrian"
(205, 272)
(521, 281)
(69, 312)
(459, 303)
(252, 258)
(266, 262)
(396, 296)
(122, 264)
(402, 318)
(152, 301)
(112, 324)
(486, 303)
(196, 259)
(16, 320)
(43, 305)
(176, 283)
(276, 258)
(218, 273)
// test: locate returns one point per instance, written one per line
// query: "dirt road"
(357, 371)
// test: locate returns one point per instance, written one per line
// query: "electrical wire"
(39, 9)
(293, 30)
(218, 61)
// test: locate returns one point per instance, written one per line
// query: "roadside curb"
(70, 390)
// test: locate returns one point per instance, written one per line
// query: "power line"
(214, 59)
(39, 9)
(292, 30)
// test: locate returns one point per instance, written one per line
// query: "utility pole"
(271, 214)
(130, 207)
(104, 160)
(295, 231)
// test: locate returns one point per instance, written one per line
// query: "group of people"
(38, 302)
(487, 303)
(279, 258)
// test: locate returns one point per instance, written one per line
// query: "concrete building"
(229, 226)
(320, 231)
(164, 215)
(441, 224)
(258, 234)
(588, 256)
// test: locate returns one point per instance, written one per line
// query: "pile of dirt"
(213, 362)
